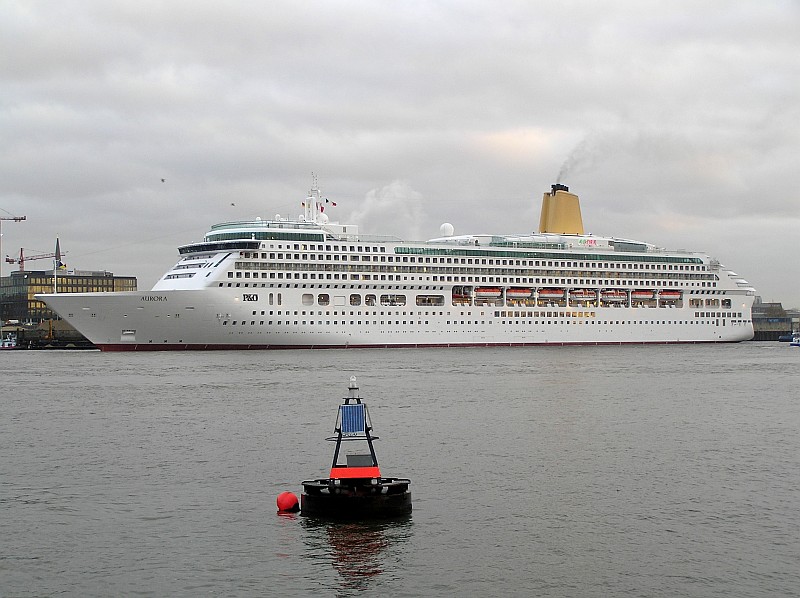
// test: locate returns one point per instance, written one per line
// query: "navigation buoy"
(355, 490)
(287, 503)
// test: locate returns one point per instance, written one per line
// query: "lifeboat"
(614, 295)
(642, 294)
(487, 293)
(582, 294)
(670, 295)
(551, 293)
(519, 293)
(356, 489)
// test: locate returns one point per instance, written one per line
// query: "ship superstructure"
(311, 283)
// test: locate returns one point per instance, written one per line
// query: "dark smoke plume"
(581, 157)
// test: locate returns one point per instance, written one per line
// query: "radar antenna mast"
(312, 203)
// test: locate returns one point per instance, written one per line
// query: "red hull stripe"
(232, 347)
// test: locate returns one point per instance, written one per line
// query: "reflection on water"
(357, 550)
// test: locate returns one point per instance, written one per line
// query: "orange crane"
(26, 258)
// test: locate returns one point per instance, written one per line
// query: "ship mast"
(312, 203)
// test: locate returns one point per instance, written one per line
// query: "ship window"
(324, 299)
(393, 300)
(427, 300)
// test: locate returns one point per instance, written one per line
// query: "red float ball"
(288, 503)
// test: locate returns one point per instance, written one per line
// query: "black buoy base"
(356, 500)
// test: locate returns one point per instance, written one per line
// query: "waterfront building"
(770, 320)
(18, 290)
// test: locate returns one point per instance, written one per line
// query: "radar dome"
(446, 230)
(323, 218)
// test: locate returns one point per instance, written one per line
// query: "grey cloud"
(679, 118)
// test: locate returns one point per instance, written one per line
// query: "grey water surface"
(553, 471)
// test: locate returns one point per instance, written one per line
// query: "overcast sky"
(676, 122)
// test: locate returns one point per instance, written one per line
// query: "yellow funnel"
(561, 212)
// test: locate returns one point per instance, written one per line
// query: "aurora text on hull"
(311, 283)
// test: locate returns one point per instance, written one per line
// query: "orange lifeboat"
(642, 294)
(613, 295)
(583, 294)
(519, 293)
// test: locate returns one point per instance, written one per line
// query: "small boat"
(795, 342)
(551, 293)
(355, 490)
(487, 293)
(9, 342)
(786, 338)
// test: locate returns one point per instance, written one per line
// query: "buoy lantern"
(355, 490)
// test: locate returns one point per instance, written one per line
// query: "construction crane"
(27, 258)
(12, 219)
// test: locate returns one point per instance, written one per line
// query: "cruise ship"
(309, 282)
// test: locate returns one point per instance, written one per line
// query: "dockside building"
(18, 290)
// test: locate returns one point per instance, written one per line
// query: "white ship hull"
(310, 284)
(219, 319)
